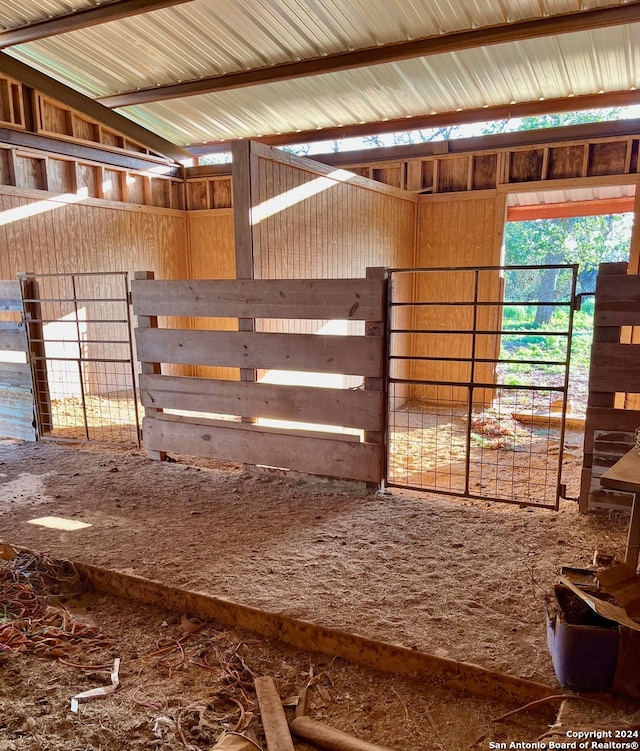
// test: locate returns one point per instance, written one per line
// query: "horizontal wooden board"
(13, 337)
(323, 299)
(10, 297)
(250, 444)
(16, 413)
(15, 374)
(349, 355)
(353, 409)
(618, 300)
(614, 368)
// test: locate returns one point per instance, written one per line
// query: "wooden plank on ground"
(349, 355)
(347, 408)
(272, 716)
(322, 299)
(10, 296)
(13, 337)
(614, 367)
(617, 300)
(250, 444)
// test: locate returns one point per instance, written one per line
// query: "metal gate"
(478, 380)
(79, 333)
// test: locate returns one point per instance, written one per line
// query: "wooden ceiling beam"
(423, 47)
(440, 120)
(65, 95)
(82, 19)
(566, 209)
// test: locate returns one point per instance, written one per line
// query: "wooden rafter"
(82, 19)
(426, 46)
(440, 120)
(64, 94)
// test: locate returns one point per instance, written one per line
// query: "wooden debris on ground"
(274, 720)
(325, 737)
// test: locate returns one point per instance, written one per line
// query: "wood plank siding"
(16, 387)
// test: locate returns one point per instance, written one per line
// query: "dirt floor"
(460, 579)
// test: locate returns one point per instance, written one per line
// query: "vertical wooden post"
(149, 322)
(379, 329)
(245, 198)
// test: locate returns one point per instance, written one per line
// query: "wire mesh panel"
(81, 356)
(478, 380)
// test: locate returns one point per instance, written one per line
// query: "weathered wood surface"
(13, 337)
(16, 391)
(614, 367)
(253, 444)
(322, 299)
(272, 716)
(618, 299)
(15, 374)
(10, 297)
(16, 411)
(328, 406)
(349, 355)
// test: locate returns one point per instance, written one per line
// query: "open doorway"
(580, 226)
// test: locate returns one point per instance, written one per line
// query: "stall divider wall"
(331, 431)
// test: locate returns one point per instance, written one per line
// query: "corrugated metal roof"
(202, 38)
(16, 13)
(590, 62)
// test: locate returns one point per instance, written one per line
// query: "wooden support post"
(274, 720)
(149, 322)
(245, 197)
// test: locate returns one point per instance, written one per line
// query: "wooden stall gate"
(16, 387)
(224, 419)
(614, 378)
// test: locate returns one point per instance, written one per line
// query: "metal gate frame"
(35, 322)
(571, 304)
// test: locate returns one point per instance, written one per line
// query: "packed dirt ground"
(460, 579)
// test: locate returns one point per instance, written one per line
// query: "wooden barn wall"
(338, 231)
(312, 224)
(212, 256)
(43, 235)
(463, 231)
